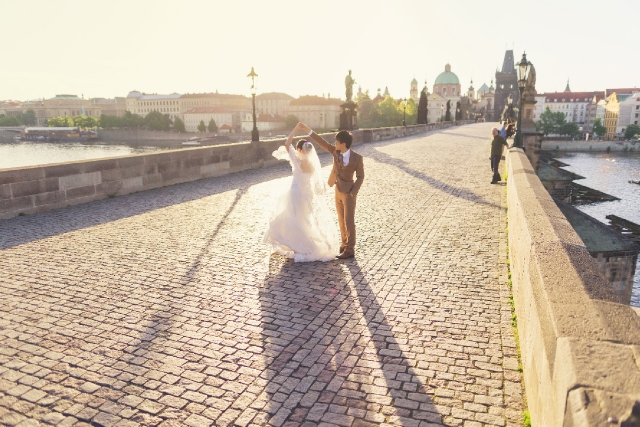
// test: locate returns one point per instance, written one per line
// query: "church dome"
(414, 81)
(447, 78)
(134, 94)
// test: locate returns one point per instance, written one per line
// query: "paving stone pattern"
(164, 308)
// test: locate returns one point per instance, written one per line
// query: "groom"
(345, 163)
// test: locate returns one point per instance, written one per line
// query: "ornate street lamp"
(404, 114)
(441, 113)
(255, 137)
(523, 72)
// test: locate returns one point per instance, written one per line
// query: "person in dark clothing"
(496, 152)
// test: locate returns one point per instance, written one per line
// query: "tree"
(202, 127)
(110, 122)
(291, 121)
(60, 122)
(447, 115)
(551, 123)
(85, 121)
(389, 113)
(213, 127)
(598, 128)
(10, 121)
(178, 125)
(155, 120)
(412, 112)
(631, 131)
(422, 108)
(367, 111)
(570, 129)
(28, 118)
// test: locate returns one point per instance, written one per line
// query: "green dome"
(447, 78)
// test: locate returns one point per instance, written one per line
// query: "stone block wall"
(580, 346)
(532, 145)
(39, 188)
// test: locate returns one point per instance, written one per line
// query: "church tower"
(471, 92)
(506, 84)
(567, 89)
(413, 93)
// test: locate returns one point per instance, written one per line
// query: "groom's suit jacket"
(342, 176)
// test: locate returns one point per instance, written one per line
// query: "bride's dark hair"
(300, 145)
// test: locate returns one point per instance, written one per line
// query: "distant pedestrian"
(496, 152)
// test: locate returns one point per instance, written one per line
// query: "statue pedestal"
(528, 105)
(349, 116)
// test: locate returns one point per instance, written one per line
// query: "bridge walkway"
(164, 308)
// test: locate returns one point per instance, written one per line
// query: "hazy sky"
(108, 48)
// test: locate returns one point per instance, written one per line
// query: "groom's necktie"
(340, 159)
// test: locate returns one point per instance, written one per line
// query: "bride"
(301, 226)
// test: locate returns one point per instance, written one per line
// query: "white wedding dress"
(301, 225)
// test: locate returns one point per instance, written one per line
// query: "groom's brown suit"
(346, 191)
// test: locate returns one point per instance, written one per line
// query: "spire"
(386, 91)
(567, 89)
(508, 63)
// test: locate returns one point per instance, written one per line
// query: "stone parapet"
(40, 188)
(580, 346)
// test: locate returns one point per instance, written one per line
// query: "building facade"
(143, 104)
(192, 117)
(629, 113)
(264, 122)
(67, 105)
(612, 110)
(273, 103)
(317, 112)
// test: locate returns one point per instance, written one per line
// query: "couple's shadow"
(322, 323)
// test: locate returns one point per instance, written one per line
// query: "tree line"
(28, 118)
(386, 113)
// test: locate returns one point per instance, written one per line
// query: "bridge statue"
(349, 82)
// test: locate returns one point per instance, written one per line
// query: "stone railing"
(580, 346)
(39, 188)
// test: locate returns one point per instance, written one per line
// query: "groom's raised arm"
(318, 139)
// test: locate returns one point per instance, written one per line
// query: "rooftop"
(209, 110)
(315, 100)
(211, 95)
(572, 96)
(275, 96)
(447, 77)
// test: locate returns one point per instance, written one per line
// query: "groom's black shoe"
(345, 255)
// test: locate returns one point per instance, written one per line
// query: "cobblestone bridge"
(163, 308)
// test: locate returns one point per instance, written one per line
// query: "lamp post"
(255, 137)
(404, 114)
(441, 113)
(523, 71)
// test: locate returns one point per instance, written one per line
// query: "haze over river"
(610, 173)
(20, 154)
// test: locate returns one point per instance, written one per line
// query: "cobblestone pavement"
(164, 308)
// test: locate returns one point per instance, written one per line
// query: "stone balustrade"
(39, 188)
(580, 346)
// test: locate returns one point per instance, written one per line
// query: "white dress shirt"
(345, 157)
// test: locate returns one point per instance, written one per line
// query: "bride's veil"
(309, 154)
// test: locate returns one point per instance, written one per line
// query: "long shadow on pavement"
(435, 183)
(330, 353)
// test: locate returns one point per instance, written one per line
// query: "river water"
(610, 173)
(20, 154)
